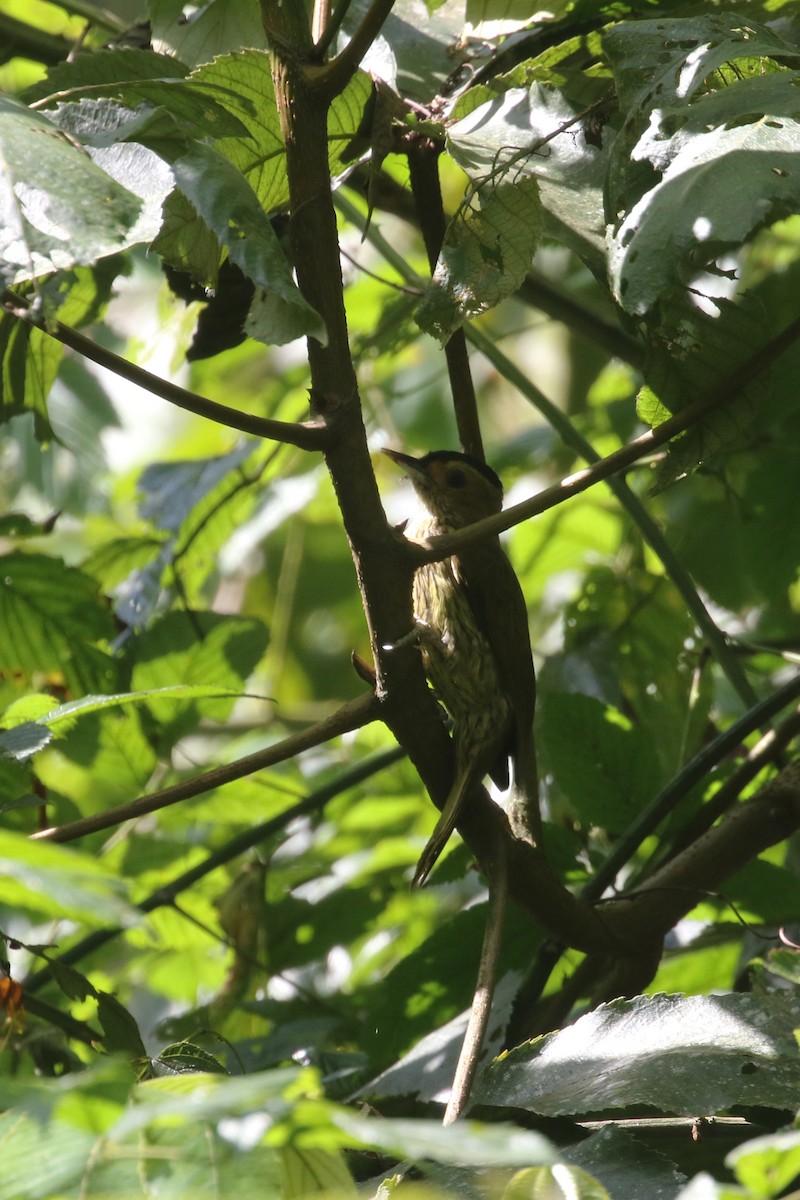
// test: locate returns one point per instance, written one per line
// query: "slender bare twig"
(240, 844)
(352, 715)
(445, 545)
(307, 435)
(336, 73)
(481, 1008)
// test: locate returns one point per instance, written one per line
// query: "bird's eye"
(456, 478)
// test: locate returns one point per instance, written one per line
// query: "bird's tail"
(444, 826)
(523, 807)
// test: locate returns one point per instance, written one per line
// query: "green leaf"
(766, 1166)
(211, 655)
(202, 1096)
(44, 229)
(533, 133)
(468, 1143)
(556, 1183)
(486, 254)
(717, 188)
(185, 1057)
(113, 67)
(689, 353)
(112, 134)
(51, 617)
(213, 29)
(184, 241)
(19, 525)
(106, 759)
(680, 1055)
(30, 362)
(42, 879)
(260, 156)
(26, 738)
(118, 558)
(200, 503)
(181, 108)
(170, 491)
(29, 1172)
(669, 60)
(120, 1029)
(23, 741)
(309, 1172)
(616, 771)
(625, 1166)
(229, 206)
(726, 160)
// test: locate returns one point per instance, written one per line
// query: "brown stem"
(307, 435)
(768, 818)
(447, 544)
(352, 715)
(383, 566)
(423, 163)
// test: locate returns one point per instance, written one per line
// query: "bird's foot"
(417, 634)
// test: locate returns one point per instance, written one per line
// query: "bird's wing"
(498, 604)
(501, 613)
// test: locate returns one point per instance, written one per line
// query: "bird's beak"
(403, 460)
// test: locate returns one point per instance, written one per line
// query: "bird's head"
(455, 488)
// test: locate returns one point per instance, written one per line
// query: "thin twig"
(481, 1009)
(235, 846)
(352, 715)
(337, 73)
(308, 435)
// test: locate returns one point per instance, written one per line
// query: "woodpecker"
(472, 627)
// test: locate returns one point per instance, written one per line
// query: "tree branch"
(240, 844)
(423, 163)
(335, 75)
(384, 568)
(445, 545)
(698, 768)
(769, 817)
(310, 435)
(353, 715)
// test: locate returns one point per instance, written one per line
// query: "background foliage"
(228, 986)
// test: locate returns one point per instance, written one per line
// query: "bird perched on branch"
(472, 628)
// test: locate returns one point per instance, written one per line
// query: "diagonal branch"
(233, 848)
(441, 547)
(353, 715)
(336, 74)
(308, 435)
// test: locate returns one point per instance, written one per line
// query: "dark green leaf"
(679, 1055)
(51, 617)
(44, 230)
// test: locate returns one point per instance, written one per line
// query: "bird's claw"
(413, 638)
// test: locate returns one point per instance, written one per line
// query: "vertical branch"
(303, 95)
(423, 162)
